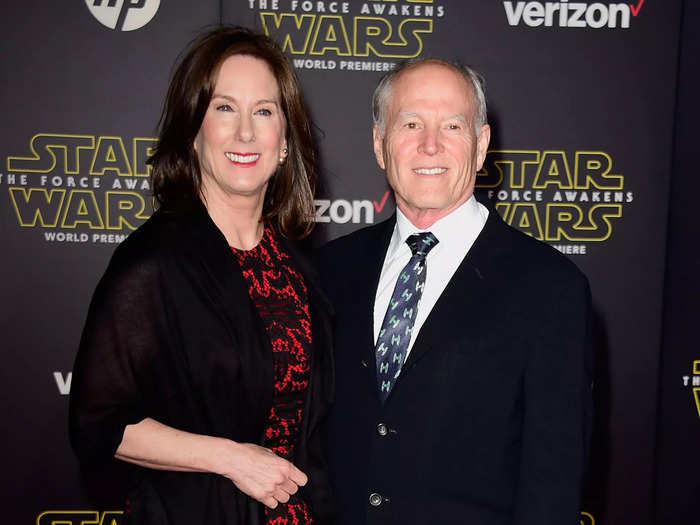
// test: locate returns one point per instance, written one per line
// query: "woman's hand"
(255, 470)
(262, 474)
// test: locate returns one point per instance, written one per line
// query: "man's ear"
(482, 145)
(378, 146)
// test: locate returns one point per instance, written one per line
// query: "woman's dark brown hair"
(176, 173)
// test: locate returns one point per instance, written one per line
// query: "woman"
(205, 356)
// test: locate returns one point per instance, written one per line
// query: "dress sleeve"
(124, 333)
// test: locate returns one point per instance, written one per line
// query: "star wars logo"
(81, 187)
(80, 517)
(329, 35)
(556, 196)
(586, 519)
(693, 381)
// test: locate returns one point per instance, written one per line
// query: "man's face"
(429, 150)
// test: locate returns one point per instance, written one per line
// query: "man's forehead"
(418, 96)
(427, 69)
(406, 115)
(432, 81)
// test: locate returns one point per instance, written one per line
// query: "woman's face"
(242, 137)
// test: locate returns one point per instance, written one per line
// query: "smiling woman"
(205, 355)
(177, 177)
(241, 141)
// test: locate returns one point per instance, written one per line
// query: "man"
(463, 352)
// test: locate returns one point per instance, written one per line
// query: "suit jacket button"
(375, 499)
(382, 429)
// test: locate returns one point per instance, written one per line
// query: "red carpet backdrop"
(582, 104)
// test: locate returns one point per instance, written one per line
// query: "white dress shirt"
(456, 234)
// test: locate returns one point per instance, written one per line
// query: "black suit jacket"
(489, 421)
(172, 334)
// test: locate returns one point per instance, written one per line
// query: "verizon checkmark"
(378, 206)
(635, 10)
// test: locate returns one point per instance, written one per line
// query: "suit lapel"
(465, 293)
(460, 299)
(368, 270)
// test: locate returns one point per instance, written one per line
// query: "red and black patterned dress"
(279, 294)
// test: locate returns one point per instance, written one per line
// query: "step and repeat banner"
(581, 102)
(678, 435)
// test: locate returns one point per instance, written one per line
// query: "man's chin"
(423, 214)
(432, 203)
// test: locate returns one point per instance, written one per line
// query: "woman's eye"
(264, 112)
(224, 107)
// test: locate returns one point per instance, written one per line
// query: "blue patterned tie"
(395, 334)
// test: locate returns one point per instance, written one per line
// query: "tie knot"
(421, 243)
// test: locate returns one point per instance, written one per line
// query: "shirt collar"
(461, 225)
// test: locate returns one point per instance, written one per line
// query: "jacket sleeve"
(557, 410)
(123, 333)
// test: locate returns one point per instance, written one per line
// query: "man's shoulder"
(529, 257)
(356, 243)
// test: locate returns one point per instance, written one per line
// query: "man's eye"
(454, 126)
(411, 125)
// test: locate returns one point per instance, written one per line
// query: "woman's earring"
(283, 156)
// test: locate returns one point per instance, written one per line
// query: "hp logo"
(123, 15)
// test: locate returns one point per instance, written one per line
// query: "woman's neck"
(239, 219)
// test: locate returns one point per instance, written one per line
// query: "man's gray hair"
(382, 94)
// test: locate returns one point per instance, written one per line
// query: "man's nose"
(430, 143)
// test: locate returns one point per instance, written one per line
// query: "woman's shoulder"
(161, 236)
(167, 230)
(148, 239)
(172, 241)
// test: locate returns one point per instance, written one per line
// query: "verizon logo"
(571, 14)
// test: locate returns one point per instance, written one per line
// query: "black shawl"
(171, 334)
